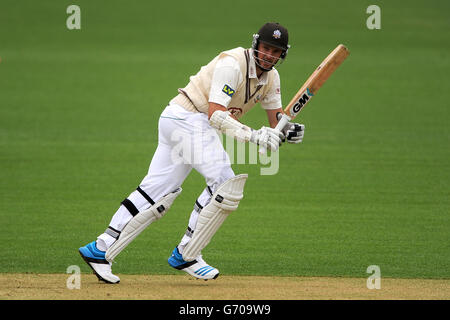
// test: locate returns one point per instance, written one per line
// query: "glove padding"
(268, 138)
(293, 132)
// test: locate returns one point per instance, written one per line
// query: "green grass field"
(368, 186)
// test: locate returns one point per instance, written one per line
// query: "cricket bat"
(311, 86)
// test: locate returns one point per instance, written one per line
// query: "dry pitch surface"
(183, 287)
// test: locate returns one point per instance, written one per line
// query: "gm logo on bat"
(304, 98)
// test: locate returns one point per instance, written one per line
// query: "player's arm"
(224, 121)
(272, 104)
(213, 107)
(272, 116)
(227, 75)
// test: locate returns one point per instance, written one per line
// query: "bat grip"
(281, 124)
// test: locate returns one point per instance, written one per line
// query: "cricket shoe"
(95, 258)
(197, 268)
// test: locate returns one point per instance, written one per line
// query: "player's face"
(268, 55)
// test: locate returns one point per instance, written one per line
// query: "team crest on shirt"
(237, 112)
(228, 90)
(277, 34)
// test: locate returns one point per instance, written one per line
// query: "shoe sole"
(213, 278)
(95, 272)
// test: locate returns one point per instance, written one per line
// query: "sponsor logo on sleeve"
(228, 90)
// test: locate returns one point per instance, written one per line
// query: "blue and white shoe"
(197, 268)
(95, 258)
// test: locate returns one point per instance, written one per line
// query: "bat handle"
(281, 124)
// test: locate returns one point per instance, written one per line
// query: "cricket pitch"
(15, 286)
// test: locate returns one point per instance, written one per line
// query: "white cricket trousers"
(186, 141)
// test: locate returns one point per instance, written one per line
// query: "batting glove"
(293, 132)
(268, 138)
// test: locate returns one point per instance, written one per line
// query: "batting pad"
(139, 222)
(225, 200)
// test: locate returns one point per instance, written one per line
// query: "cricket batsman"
(211, 103)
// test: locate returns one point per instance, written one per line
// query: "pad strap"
(139, 222)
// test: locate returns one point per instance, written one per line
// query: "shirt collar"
(252, 70)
